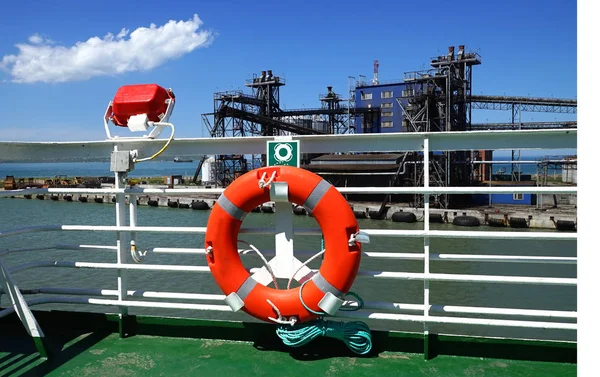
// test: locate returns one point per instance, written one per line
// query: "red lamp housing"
(149, 99)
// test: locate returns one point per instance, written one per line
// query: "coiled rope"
(356, 335)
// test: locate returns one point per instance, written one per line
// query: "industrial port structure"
(438, 99)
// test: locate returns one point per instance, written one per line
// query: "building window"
(387, 124)
(387, 105)
(366, 96)
(408, 93)
(387, 114)
(388, 94)
(518, 196)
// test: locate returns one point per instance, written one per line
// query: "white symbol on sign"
(284, 148)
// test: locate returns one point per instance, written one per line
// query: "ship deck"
(97, 354)
(90, 345)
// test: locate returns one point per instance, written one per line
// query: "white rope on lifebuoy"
(262, 183)
(281, 320)
(267, 266)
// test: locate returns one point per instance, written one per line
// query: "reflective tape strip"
(330, 304)
(324, 286)
(230, 208)
(245, 289)
(235, 300)
(278, 192)
(317, 193)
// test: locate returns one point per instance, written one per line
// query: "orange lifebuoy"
(338, 224)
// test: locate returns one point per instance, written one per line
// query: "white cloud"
(143, 49)
(36, 39)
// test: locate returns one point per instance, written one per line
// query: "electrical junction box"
(121, 162)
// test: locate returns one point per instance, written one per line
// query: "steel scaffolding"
(546, 175)
(238, 114)
(439, 99)
(518, 105)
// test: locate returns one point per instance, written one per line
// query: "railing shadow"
(22, 358)
(12, 362)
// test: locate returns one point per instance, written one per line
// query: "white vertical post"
(284, 231)
(284, 239)
(426, 245)
(490, 184)
(133, 217)
(284, 265)
(519, 152)
(122, 246)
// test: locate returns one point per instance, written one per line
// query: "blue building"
(499, 180)
(526, 199)
(387, 115)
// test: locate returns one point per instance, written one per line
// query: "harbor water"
(17, 213)
(157, 169)
(95, 169)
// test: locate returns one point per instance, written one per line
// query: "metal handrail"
(424, 142)
(196, 148)
(369, 313)
(373, 274)
(391, 306)
(300, 232)
(370, 254)
(343, 190)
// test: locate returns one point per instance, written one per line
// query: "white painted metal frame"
(284, 264)
(424, 142)
(426, 256)
(122, 241)
(343, 190)
(19, 305)
(301, 232)
(196, 148)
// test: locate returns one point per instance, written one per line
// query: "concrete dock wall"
(562, 217)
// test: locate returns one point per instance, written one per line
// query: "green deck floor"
(95, 354)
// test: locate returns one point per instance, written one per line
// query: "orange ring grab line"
(332, 212)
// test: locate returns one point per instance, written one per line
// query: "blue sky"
(528, 48)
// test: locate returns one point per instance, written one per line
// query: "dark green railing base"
(264, 337)
(126, 324)
(42, 347)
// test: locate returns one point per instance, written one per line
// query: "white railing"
(196, 148)
(425, 142)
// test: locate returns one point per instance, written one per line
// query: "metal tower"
(439, 99)
(351, 104)
(376, 72)
(337, 116)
